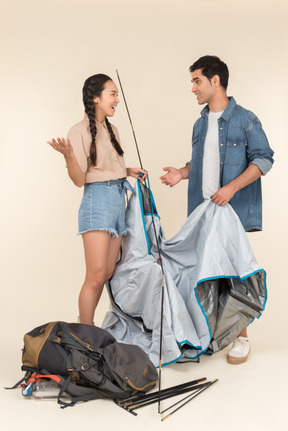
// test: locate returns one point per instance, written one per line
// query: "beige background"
(48, 49)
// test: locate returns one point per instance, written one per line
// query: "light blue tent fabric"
(213, 286)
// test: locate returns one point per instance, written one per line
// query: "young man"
(230, 153)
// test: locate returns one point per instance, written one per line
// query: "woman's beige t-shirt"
(109, 164)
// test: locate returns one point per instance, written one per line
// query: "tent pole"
(157, 242)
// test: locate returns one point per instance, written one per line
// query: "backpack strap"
(66, 384)
(33, 373)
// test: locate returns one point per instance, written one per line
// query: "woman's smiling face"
(105, 104)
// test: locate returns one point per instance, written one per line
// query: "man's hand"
(174, 176)
(224, 195)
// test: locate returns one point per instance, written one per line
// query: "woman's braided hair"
(93, 87)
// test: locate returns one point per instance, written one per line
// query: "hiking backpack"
(86, 362)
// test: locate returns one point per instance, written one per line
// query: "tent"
(213, 286)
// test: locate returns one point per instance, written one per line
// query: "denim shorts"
(103, 207)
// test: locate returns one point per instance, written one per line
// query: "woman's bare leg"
(101, 252)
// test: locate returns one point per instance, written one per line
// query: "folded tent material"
(213, 285)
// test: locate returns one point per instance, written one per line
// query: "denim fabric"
(103, 207)
(242, 141)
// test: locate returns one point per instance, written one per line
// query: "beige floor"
(252, 396)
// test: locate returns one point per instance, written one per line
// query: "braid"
(113, 139)
(93, 130)
(88, 94)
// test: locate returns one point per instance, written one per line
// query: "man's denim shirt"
(242, 141)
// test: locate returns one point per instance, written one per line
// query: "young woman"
(94, 158)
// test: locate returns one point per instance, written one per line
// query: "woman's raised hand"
(62, 145)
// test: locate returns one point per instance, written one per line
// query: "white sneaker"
(240, 351)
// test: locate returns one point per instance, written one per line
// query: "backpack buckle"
(85, 367)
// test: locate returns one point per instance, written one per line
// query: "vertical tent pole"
(157, 242)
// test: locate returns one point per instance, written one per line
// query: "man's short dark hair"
(210, 66)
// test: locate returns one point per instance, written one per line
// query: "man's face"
(202, 87)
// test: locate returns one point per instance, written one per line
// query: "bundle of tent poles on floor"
(193, 388)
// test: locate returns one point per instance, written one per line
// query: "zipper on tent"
(245, 301)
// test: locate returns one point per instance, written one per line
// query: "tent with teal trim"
(213, 286)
